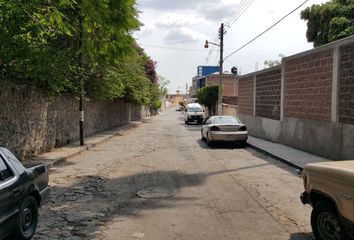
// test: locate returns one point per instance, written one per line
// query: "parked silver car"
(225, 129)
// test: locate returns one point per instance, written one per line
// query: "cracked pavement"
(225, 192)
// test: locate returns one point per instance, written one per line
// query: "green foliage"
(163, 83)
(157, 104)
(330, 21)
(208, 96)
(61, 45)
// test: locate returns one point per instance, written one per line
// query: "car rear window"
(13, 160)
(226, 120)
(195, 109)
(5, 172)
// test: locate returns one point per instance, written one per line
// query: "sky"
(174, 32)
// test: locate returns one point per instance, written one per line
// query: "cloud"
(170, 25)
(214, 10)
(217, 13)
(169, 5)
(183, 36)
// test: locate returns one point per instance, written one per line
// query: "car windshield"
(195, 109)
(226, 120)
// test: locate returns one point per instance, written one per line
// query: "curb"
(51, 163)
(283, 160)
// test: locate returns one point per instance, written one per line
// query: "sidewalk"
(291, 156)
(60, 155)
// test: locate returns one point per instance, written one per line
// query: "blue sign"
(207, 70)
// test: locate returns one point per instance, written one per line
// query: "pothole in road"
(155, 192)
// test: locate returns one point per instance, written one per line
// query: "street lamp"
(221, 61)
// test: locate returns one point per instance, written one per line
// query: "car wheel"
(201, 134)
(27, 219)
(209, 142)
(243, 143)
(325, 223)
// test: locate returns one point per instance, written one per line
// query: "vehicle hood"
(341, 170)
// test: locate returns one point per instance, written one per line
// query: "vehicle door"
(8, 211)
(206, 122)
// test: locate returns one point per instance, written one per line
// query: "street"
(225, 192)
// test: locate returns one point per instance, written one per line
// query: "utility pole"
(221, 34)
(82, 84)
(221, 45)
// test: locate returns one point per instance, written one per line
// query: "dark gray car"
(22, 189)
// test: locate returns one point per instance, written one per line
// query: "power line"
(173, 48)
(276, 23)
(243, 7)
(236, 12)
(241, 13)
(235, 15)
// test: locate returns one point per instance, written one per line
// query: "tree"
(57, 44)
(208, 96)
(273, 63)
(330, 21)
(163, 83)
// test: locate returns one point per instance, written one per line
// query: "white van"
(194, 113)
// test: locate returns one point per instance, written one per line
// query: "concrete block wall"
(308, 86)
(316, 101)
(268, 87)
(246, 95)
(31, 122)
(346, 84)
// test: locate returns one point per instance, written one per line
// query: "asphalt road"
(224, 192)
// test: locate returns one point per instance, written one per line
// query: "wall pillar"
(282, 85)
(254, 94)
(334, 100)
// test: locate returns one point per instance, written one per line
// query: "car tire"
(27, 219)
(243, 143)
(201, 134)
(326, 224)
(209, 142)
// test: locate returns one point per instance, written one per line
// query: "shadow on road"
(220, 145)
(275, 162)
(301, 236)
(91, 202)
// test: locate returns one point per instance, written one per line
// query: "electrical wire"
(235, 15)
(173, 48)
(239, 15)
(276, 23)
(243, 7)
(236, 12)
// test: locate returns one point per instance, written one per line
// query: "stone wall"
(31, 122)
